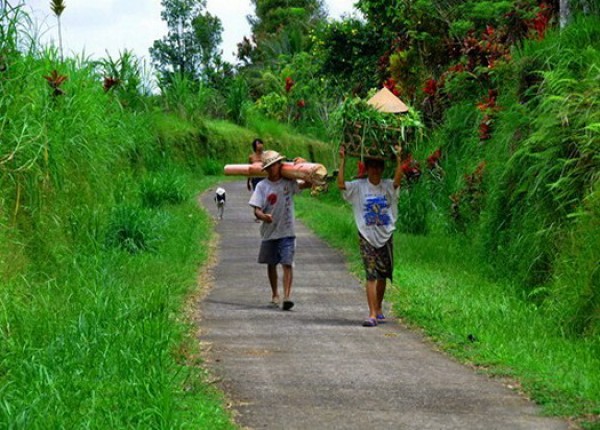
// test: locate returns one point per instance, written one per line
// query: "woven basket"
(371, 141)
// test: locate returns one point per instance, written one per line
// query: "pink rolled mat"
(310, 172)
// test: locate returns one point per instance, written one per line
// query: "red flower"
(301, 103)
(540, 23)
(289, 83)
(390, 84)
(485, 128)
(55, 80)
(431, 87)
(489, 103)
(410, 168)
(433, 160)
(457, 68)
(110, 82)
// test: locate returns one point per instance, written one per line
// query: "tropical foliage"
(191, 47)
(100, 239)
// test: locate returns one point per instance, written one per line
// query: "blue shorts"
(277, 251)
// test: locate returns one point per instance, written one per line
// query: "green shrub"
(238, 100)
(551, 147)
(575, 294)
(133, 229)
(162, 188)
(211, 167)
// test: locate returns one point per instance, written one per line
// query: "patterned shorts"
(378, 262)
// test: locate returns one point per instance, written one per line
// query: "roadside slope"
(316, 367)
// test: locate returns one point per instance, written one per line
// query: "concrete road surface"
(316, 367)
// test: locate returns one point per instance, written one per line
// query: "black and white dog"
(220, 198)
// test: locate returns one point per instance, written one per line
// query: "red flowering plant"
(431, 87)
(433, 101)
(466, 203)
(392, 85)
(55, 80)
(451, 73)
(539, 24)
(289, 84)
(294, 105)
(411, 169)
(488, 107)
(110, 82)
(433, 164)
(484, 52)
(296, 97)
(433, 161)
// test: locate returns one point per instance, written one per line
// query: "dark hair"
(374, 162)
(255, 142)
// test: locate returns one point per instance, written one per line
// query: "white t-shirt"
(277, 199)
(375, 208)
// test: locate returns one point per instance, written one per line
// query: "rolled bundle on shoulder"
(252, 170)
(313, 173)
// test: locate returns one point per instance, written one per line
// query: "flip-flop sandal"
(287, 305)
(381, 318)
(370, 322)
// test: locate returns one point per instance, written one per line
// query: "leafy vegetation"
(367, 132)
(100, 237)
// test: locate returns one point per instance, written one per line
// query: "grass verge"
(106, 345)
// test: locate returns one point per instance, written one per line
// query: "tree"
(274, 15)
(359, 68)
(191, 46)
(280, 26)
(58, 6)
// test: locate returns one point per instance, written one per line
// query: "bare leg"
(288, 275)
(371, 288)
(381, 283)
(272, 272)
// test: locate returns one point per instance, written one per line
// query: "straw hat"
(271, 157)
(386, 101)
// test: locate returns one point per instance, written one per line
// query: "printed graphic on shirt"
(375, 211)
(272, 199)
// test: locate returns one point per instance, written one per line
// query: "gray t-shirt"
(276, 198)
(375, 208)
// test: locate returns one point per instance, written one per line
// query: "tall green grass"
(545, 174)
(541, 169)
(103, 345)
(100, 245)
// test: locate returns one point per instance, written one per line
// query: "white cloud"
(99, 26)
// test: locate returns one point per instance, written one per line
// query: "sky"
(97, 27)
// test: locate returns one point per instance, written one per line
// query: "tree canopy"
(191, 46)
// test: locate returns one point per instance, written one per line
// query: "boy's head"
(271, 158)
(255, 143)
(374, 163)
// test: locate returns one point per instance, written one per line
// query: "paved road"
(315, 367)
